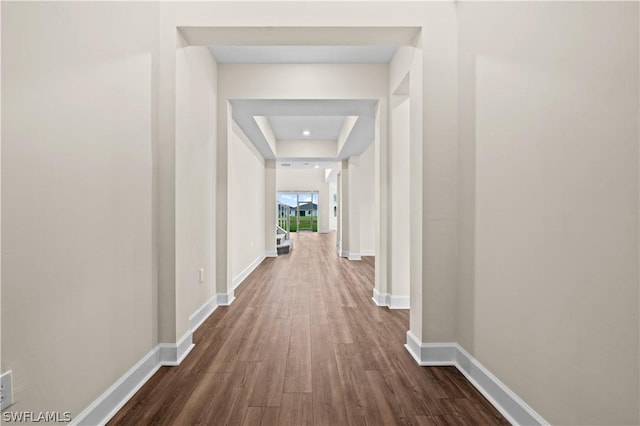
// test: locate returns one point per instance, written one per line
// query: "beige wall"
(333, 220)
(246, 202)
(399, 206)
(550, 91)
(306, 149)
(196, 86)
(78, 295)
(434, 174)
(366, 198)
(547, 186)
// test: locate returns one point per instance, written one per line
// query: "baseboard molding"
(172, 354)
(343, 253)
(113, 399)
(354, 256)
(379, 299)
(100, 411)
(237, 280)
(390, 301)
(367, 252)
(271, 253)
(203, 313)
(164, 354)
(225, 299)
(510, 405)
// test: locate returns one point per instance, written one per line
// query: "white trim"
(354, 256)
(390, 301)
(510, 405)
(271, 253)
(172, 354)
(225, 299)
(367, 252)
(430, 354)
(398, 302)
(247, 271)
(378, 298)
(113, 399)
(100, 411)
(106, 406)
(203, 313)
(343, 253)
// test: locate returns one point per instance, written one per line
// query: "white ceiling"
(302, 54)
(361, 136)
(323, 118)
(290, 127)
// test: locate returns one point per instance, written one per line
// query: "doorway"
(303, 210)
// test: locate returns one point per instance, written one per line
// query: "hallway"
(303, 343)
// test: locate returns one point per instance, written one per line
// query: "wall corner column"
(353, 194)
(270, 208)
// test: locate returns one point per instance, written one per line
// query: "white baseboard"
(225, 299)
(343, 253)
(203, 313)
(164, 354)
(172, 354)
(100, 411)
(367, 252)
(113, 399)
(271, 253)
(237, 280)
(354, 256)
(390, 301)
(379, 299)
(399, 302)
(510, 405)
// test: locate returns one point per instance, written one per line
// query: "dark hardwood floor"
(304, 344)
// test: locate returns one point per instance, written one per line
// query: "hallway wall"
(333, 220)
(79, 302)
(549, 113)
(196, 87)
(246, 202)
(544, 285)
(368, 211)
(399, 188)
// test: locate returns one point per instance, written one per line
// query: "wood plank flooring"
(304, 344)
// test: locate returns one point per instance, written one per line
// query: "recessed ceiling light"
(316, 166)
(306, 132)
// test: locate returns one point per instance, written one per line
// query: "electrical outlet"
(201, 275)
(6, 390)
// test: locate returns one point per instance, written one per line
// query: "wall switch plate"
(6, 390)
(201, 275)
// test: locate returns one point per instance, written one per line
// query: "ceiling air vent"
(285, 164)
